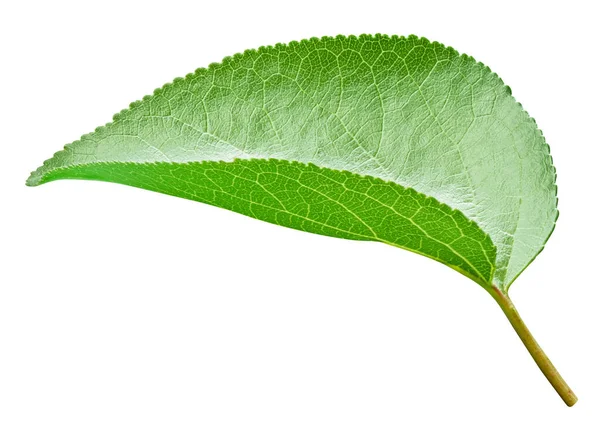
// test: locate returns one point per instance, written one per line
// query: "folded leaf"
(402, 110)
(379, 138)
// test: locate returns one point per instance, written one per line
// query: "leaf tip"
(34, 179)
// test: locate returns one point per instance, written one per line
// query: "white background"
(126, 311)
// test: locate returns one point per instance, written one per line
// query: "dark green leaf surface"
(391, 139)
(314, 199)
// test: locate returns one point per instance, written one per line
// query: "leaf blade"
(397, 109)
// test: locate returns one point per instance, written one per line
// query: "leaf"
(389, 139)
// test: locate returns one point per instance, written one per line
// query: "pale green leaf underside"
(336, 136)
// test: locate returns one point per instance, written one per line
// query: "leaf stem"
(541, 359)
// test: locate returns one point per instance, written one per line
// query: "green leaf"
(378, 138)
(401, 110)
